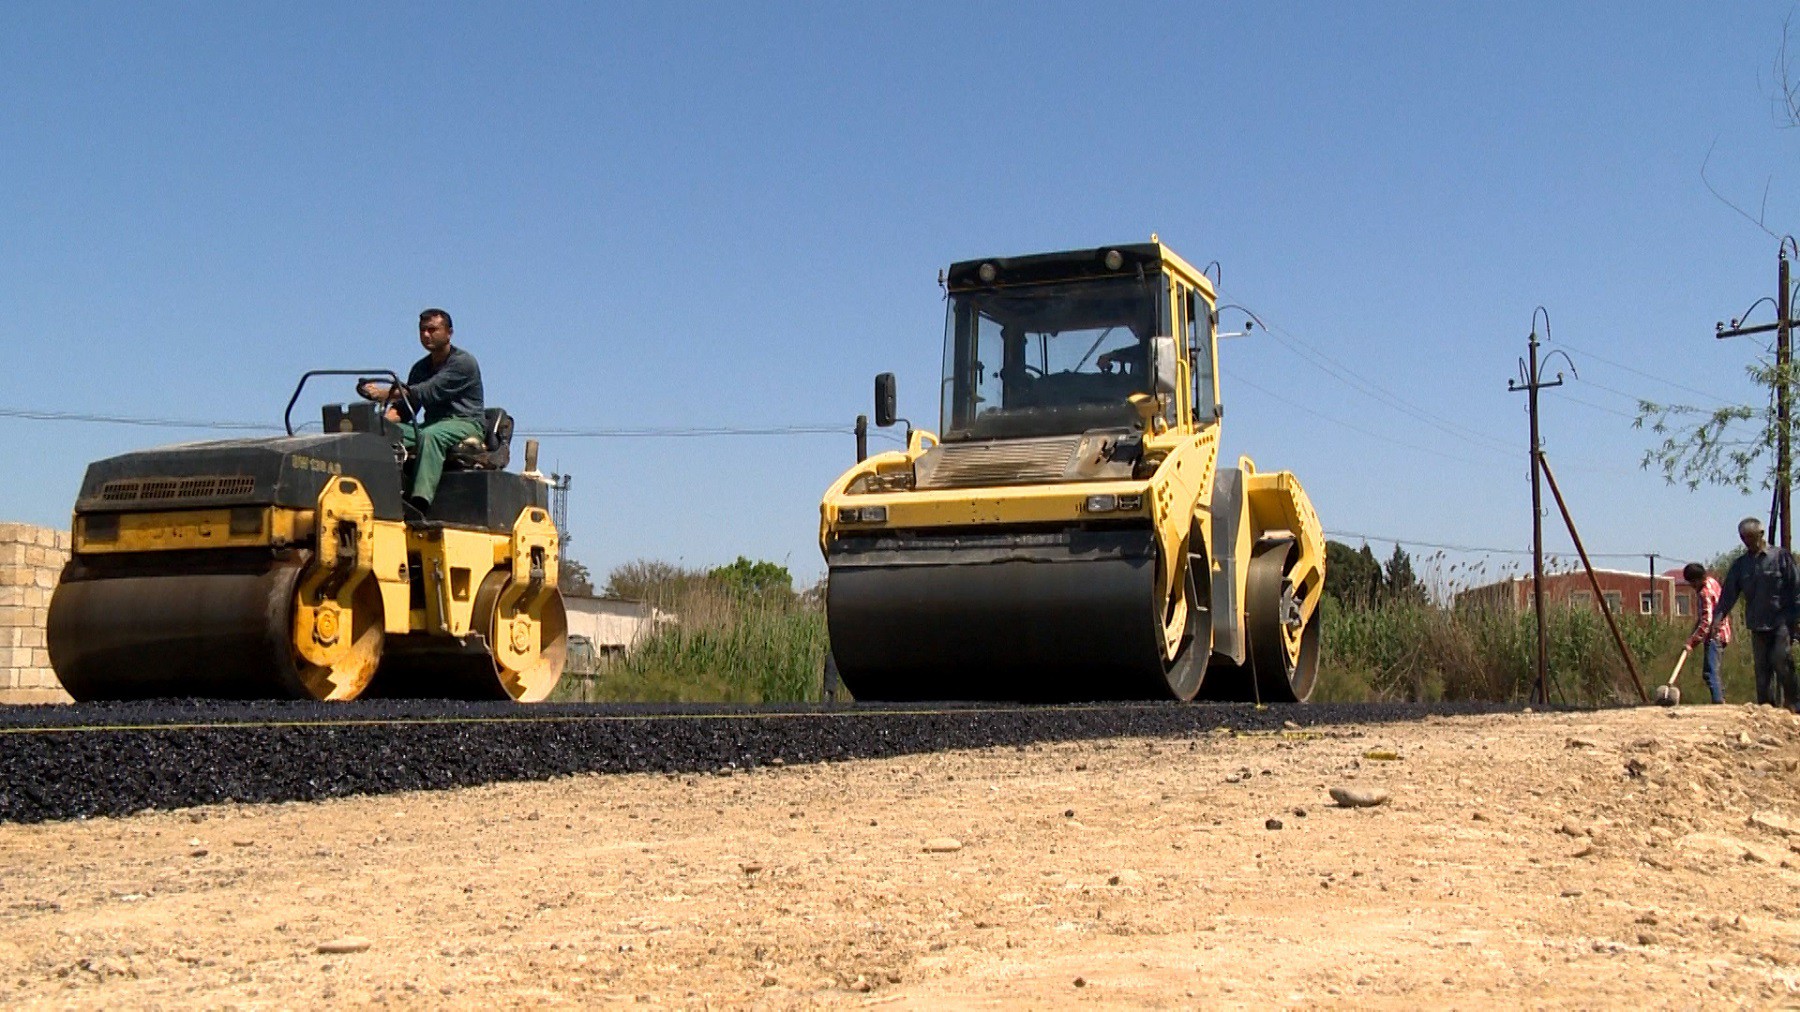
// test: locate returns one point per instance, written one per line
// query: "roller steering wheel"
(386, 400)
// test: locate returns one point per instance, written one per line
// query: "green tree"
(1722, 561)
(574, 579)
(1352, 577)
(1399, 582)
(651, 580)
(754, 578)
(1733, 445)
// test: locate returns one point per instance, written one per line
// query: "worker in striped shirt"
(1706, 604)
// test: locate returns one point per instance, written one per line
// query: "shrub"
(739, 635)
(1411, 650)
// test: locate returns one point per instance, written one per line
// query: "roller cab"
(285, 568)
(1071, 535)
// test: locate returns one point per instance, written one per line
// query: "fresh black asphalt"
(110, 759)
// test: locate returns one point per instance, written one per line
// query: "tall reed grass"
(1410, 650)
(729, 644)
(723, 646)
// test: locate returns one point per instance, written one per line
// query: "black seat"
(496, 449)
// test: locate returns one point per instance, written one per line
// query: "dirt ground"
(1625, 858)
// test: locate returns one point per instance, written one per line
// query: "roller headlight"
(880, 482)
(862, 514)
(1114, 260)
(246, 520)
(100, 527)
(988, 273)
(1106, 502)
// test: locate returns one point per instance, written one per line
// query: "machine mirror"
(884, 399)
(1162, 356)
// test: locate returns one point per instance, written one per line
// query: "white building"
(608, 626)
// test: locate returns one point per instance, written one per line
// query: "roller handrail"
(287, 417)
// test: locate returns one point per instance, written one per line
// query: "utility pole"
(1784, 355)
(1531, 380)
(1653, 594)
(1782, 518)
(1531, 383)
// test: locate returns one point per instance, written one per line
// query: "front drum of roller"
(214, 635)
(1063, 619)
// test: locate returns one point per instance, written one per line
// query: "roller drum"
(1070, 616)
(219, 635)
(422, 666)
(470, 667)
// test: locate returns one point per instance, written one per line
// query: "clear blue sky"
(659, 215)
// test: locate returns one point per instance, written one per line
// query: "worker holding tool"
(1766, 579)
(1706, 604)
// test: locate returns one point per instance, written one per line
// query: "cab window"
(1200, 357)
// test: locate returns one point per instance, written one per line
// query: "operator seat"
(476, 491)
(494, 450)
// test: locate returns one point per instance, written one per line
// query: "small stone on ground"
(1359, 797)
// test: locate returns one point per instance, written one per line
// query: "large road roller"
(1069, 533)
(288, 568)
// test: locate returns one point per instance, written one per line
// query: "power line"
(1470, 548)
(1272, 395)
(1596, 407)
(690, 432)
(32, 414)
(1639, 372)
(1369, 388)
(647, 432)
(1634, 398)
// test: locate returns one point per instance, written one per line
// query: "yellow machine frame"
(1178, 498)
(358, 584)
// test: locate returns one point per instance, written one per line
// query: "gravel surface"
(1629, 858)
(88, 760)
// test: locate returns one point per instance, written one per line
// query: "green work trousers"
(432, 443)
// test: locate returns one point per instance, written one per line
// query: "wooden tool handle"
(1678, 663)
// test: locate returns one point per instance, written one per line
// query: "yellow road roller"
(286, 568)
(1069, 533)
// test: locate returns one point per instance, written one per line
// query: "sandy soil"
(1605, 859)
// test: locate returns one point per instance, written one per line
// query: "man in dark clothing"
(1766, 579)
(446, 385)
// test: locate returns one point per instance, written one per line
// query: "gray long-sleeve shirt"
(1767, 581)
(451, 390)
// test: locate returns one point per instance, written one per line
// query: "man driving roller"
(446, 385)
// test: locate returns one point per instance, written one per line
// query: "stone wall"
(31, 559)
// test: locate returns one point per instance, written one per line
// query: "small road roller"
(1069, 534)
(287, 568)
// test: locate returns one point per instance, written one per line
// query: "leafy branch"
(1733, 445)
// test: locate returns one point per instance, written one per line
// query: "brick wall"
(1624, 590)
(31, 558)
